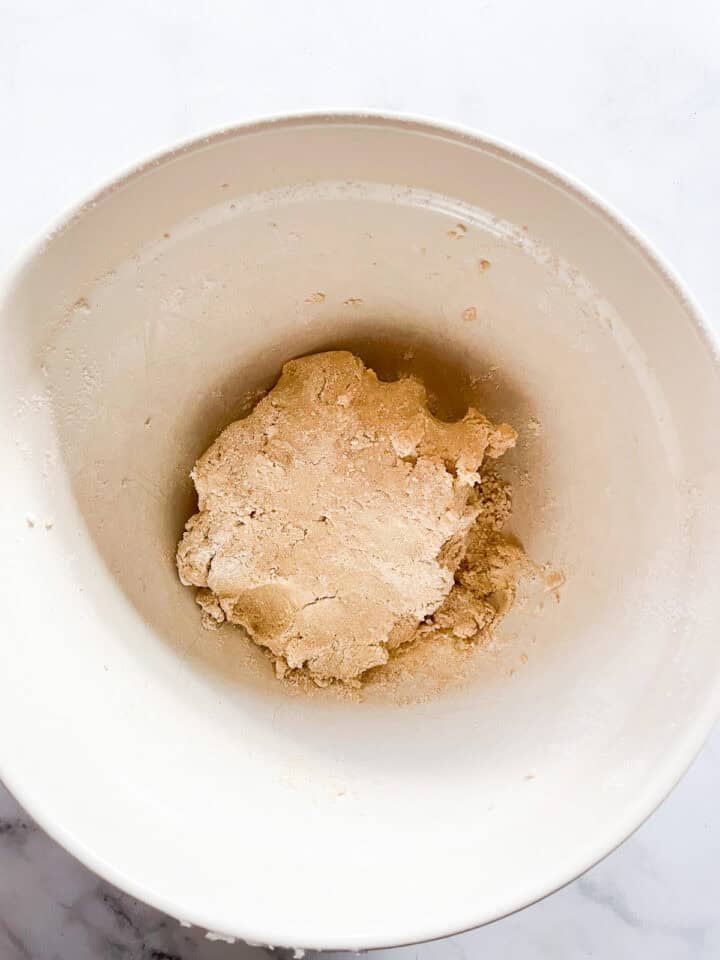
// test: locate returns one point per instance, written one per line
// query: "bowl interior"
(167, 757)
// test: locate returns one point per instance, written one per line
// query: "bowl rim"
(694, 735)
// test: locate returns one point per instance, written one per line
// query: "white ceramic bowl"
(167, 759)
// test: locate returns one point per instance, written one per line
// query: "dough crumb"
(343, 526)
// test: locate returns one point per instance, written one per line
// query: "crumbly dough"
(341, 520)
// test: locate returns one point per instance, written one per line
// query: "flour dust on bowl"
(168, 758)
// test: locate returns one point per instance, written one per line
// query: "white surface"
(630, 107)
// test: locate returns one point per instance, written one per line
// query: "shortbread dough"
(340, 519)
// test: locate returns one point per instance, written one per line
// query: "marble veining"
(625, 96)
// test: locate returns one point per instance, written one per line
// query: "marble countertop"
(624, 96)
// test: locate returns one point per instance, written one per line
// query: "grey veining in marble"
(624, 95)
